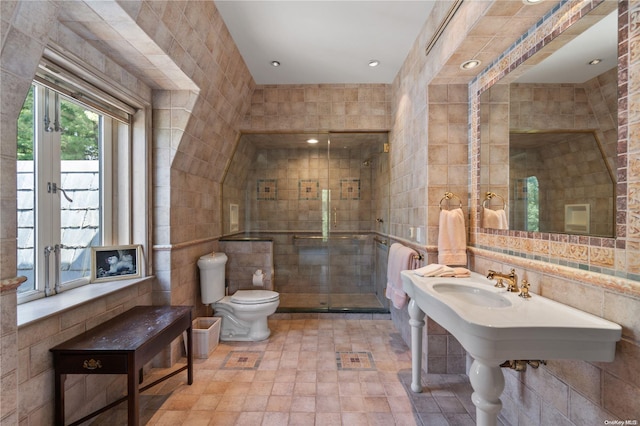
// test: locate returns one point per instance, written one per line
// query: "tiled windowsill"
(42, 308)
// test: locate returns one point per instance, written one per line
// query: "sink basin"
(492, 323)
(494, 326)
(464, 294)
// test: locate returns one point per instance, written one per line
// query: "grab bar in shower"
(380, 241)
(332, 237)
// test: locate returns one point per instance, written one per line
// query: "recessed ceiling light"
(312, 140)
(595, 61)
(469, 65)
(275, 63)
(374, 63)
(530, 2)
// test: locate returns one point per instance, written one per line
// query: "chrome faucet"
(511, 278)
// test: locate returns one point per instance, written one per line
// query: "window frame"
(127, 220)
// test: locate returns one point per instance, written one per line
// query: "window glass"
(80, 148)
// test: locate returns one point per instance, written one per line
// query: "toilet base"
(252, 327)
(235, 330)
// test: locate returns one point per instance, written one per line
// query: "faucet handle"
(525, 289)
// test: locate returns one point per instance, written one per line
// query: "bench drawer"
(92, 364)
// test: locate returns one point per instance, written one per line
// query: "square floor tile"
(355, 361)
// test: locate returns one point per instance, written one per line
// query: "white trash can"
(206, 334)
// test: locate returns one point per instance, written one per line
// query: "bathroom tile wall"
(298, 180)
(319, 107)
(195, 132)
(235, 185)
(244, 258)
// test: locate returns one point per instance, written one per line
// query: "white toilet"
(244, 314)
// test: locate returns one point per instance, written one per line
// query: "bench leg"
(189, 355)
(59, 398)
(133, 393)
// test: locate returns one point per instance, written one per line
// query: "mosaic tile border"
(242, 360)
(360, 361)
(267, 190)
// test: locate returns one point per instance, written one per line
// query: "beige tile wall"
(244, 258)
(195, 132)
(319, 107)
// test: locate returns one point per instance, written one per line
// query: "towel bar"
(449, 195)
(489, 195)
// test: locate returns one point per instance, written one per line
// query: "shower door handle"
(335, 217)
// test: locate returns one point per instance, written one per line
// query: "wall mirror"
(548, 134)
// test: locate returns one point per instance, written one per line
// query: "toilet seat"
(254, 297)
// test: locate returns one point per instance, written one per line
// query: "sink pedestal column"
(485, 375)
(417, 324)
(488, 383)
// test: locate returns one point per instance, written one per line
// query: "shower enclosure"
(325, 206)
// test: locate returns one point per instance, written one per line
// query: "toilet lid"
(253, 297)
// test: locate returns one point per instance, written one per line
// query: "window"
(69, 187)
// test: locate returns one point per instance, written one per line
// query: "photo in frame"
(109, 263)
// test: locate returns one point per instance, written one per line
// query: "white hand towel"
(432, 270)
(452, 238)
(504, 222)
(461, 272)
(401, 258)
(494, 219)
(490, 219)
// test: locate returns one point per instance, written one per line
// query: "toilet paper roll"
(258, 278)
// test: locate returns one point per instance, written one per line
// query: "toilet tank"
(212, 277)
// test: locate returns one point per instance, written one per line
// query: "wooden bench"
(122, 345)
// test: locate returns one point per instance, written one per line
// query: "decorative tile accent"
(355, 361)
(308, 189)
(349, 189)
(242, 360)
(267, 189)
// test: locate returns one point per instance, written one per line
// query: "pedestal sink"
(494, 326)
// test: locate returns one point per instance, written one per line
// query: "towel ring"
(489, 195)
(448, 196)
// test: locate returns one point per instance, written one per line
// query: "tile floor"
(315, 369)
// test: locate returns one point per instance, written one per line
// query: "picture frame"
(110, 263)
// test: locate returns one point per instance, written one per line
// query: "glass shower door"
(353, 159)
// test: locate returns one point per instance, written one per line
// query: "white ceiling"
(328, 41)
(324, 41)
